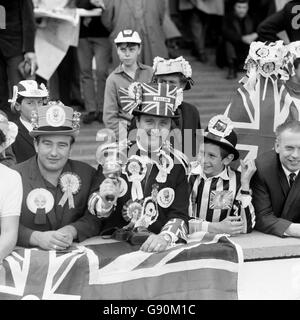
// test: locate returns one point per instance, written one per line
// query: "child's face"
(27, 106)
(128, 54)
(213, 162)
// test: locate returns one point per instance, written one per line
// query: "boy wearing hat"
(55, 188)
(10, 191)
(221, 197)
(151, 194)
(178, 72)
(27, 97)
(128, 43)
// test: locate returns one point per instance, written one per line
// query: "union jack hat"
(220, 132)
(55, 118)
(160, 100)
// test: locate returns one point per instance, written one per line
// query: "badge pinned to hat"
(28, 89)
(269, 60)
(220, 131)
(55, 118)
(163, 66)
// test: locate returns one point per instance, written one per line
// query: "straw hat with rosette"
(9, 131)
(160, 100)
(55, 119)
(220, 131)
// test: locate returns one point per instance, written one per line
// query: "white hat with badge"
(128, 36)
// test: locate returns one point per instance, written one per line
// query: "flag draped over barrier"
(206, 269)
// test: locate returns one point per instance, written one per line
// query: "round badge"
(55, 116)
(132, 211)
(263, 52)
(40, 199)
(123, 187)
(165, 197)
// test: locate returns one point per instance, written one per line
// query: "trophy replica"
(110, 156)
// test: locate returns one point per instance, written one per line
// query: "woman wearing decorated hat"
(27, 97)
(152, 189)
(128, 44)
(178, 72)
(11, 193)
(55, 188)
(220, 196)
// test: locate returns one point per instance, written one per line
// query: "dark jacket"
(276, 205)
(18, 36)
(86, 224)
(287, 19)
(91, 26)
(23, 146)
(178, 209)
(233, 28)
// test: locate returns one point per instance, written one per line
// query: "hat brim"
(73, 133)
(140, 113)
(37, 94)
(225, 146)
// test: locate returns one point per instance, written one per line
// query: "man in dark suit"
(287, 19)
(55, 189)
(276, 184)
(238, 33)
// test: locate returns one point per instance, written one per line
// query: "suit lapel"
(24, 132)
(293, 196)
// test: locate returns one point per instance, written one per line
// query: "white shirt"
(11, 192)
(26, 124)
(288, 172)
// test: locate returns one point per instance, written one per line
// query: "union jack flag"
(108, 269)
(157, 99)
(256, 117)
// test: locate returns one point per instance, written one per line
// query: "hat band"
(217, 138)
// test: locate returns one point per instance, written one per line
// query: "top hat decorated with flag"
(163, 66)
(220, 132)
(160, 100)
(28, 89)
(55, 118)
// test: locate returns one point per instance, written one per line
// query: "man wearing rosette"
(148, 197)
(55, 189)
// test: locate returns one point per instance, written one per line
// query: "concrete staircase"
(211, 94)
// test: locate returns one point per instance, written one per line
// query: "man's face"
(152, 131)
(213, 162)
(172, 79)
(27, 106)
(288, 147)
(128, 54)
(53, 151)
(241, 9)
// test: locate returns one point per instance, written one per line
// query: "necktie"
(292, 178)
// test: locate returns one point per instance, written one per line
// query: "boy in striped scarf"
(220, 196)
